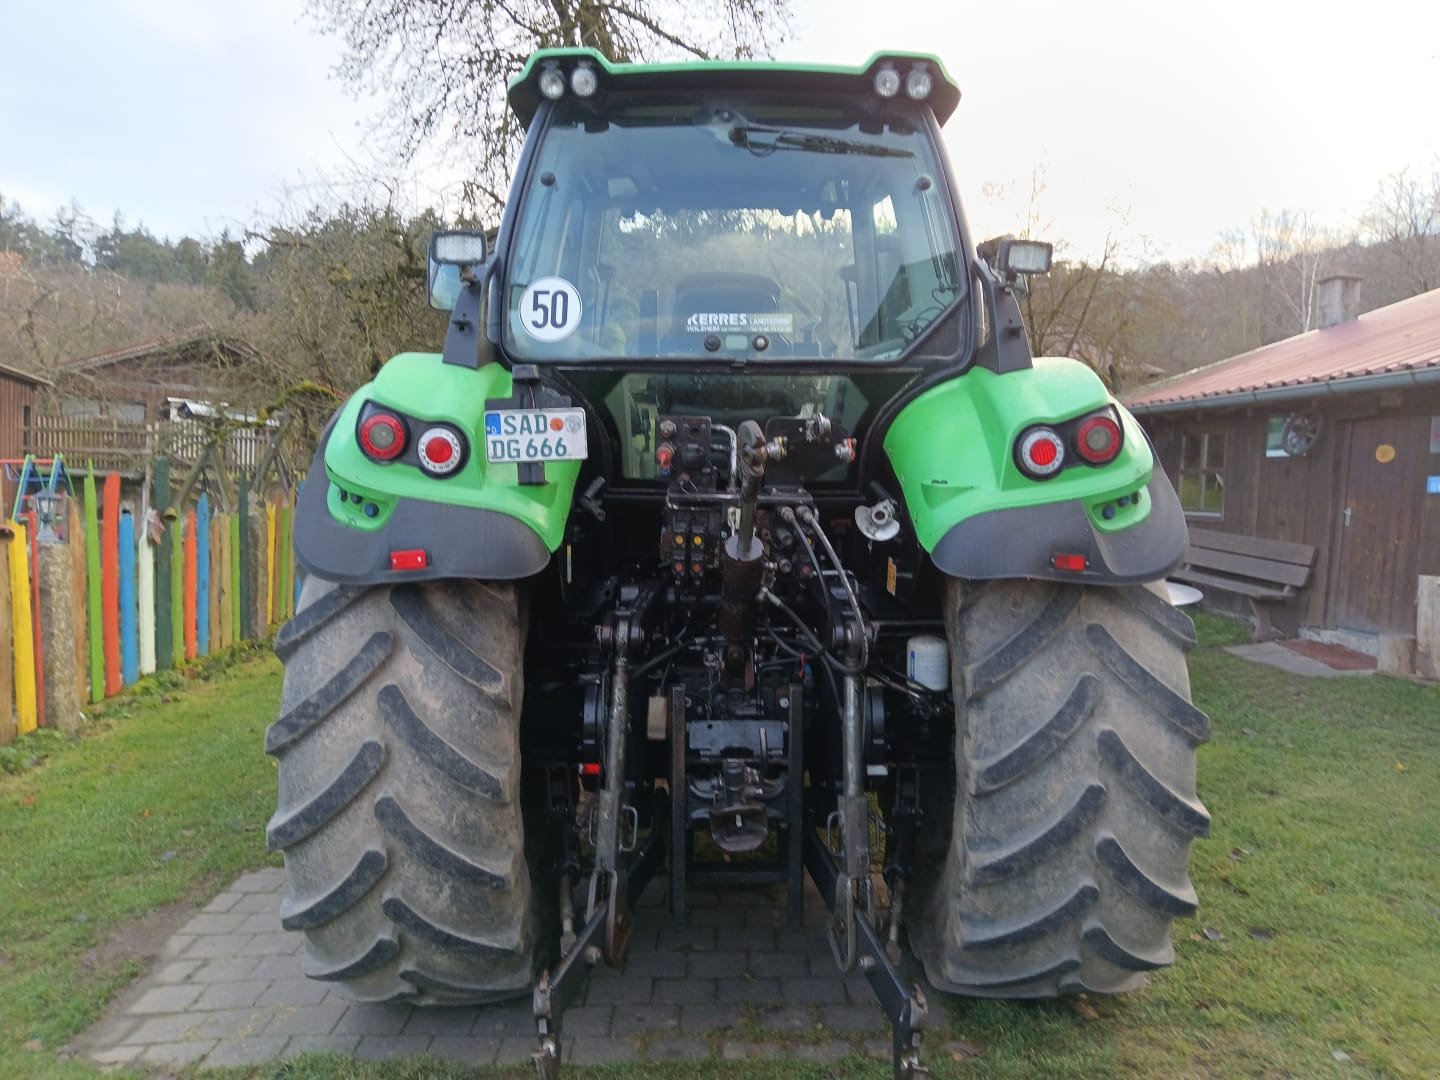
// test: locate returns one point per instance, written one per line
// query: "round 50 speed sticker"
(550, 309)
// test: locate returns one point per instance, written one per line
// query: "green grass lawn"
(163, 800)
(1318, 934)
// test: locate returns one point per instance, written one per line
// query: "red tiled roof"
(1390, 340)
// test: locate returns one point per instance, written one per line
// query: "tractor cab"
(782, 219)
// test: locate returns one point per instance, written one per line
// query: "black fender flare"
(458, 541)
(1022, 542)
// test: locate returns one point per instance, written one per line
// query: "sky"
(1162, 124)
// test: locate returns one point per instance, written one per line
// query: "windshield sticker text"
(740, 322)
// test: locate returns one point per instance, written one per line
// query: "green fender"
(979, 516)
(477, 522)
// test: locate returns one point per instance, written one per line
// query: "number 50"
(549, 308)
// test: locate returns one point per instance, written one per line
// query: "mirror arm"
(1007, 348)
(466, 342)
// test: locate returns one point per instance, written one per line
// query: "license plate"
(519, 435)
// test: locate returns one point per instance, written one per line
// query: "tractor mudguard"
(980, 517)
(478, 522)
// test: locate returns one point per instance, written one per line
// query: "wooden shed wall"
(16, 396)
(1365, 573)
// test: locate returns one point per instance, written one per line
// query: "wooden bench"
(1265, 572)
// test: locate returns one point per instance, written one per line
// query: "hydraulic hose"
(807, 516)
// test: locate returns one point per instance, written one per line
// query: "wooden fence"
(125, 446)
(211, 581)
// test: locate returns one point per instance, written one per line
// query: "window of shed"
(1201, 483)
(1274, 436)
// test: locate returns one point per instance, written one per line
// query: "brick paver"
(735, 983)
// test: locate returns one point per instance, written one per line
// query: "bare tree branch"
(443, 65)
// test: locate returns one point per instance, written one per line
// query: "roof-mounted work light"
(552, 81)
(918, 83)
(584, 81)
(887, 82)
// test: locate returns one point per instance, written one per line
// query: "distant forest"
(331, 295)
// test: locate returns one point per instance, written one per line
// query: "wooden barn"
(19, 405)
(19, 394)
(1328, 440)
(141, 382)
(122, 407)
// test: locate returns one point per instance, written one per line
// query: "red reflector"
(1043, 453)
(1040, 453)
(439, 451)
(590, 768)
(415, 559)
(1068, 562)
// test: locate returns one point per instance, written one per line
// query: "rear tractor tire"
(1058, 860)
(399, 805)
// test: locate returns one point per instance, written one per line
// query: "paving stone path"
(735, 983)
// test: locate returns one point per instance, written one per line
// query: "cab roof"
(731, 75)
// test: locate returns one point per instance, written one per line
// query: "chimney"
(1337, 298)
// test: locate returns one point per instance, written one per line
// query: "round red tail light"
(440, 451)
(1040, 453)
(382, 436)
(1098, 439)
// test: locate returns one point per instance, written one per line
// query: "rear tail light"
(441, 450)
(1040, 453)
(382, 436)
(1098, 438)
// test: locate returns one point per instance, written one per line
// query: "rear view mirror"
(444, 286)
(453, 256)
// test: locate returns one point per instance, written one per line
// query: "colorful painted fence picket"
(22, 632)
(147, 594)
(8, 720)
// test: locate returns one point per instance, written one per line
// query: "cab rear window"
(697, 228)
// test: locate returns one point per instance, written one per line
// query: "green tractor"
(736, 530)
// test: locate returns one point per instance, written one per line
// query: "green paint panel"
(95, 608)
(952, 448)
(164, 627)
(420, 385)
(285, 564)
